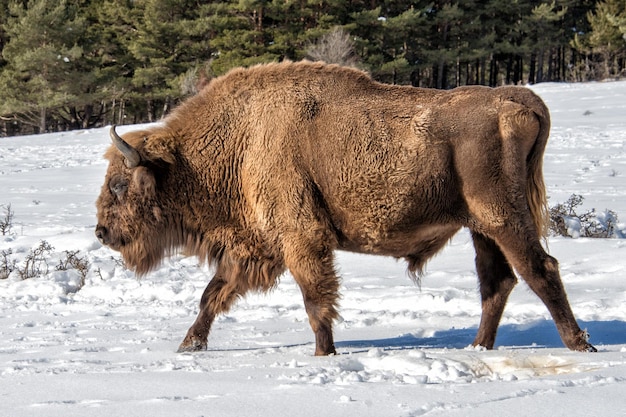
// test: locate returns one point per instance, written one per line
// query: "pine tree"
(238, 34)
(365, 25)
(6, 124)
(43, 60)
(544, 22)
(112, 31)
(404, 40)
(445, 37)
(168, 42)
(80, 63)
(4, 7)
(607, 36)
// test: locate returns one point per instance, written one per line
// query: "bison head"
(130, 207)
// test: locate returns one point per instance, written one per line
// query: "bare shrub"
(73, 261)
(119, 261)
(335, 47)
(566, 221)
(6, 222)
(35, 263)
(195, 79)
(189, 82)
(7, 265)
(98, 272)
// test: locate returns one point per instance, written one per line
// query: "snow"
(108, 346)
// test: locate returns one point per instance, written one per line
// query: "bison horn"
(132, 155)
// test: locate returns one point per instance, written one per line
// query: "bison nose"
(101, 234)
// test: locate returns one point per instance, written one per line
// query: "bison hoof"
(582, 343)
(192, 345)
(326, 352)
(588, 348)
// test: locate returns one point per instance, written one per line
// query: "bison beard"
(275, 167)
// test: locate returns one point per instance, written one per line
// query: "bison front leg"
(497, 280)
(216, 299)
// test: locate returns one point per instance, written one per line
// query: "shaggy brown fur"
(275, 167)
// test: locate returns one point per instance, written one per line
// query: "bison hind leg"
(540, 271)
(497, 280)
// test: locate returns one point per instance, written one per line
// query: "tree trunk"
(120, 117)
(518, 70)
(42, 120)
(442, 63)
(550, 65)
(563, 65)
(440, 66)
(150, 110)
(493, 72)
(416, 78)
(532, 68)
(87, 116)
(166, 106)
(509, 69)
(483, 71)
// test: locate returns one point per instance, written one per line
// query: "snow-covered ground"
(108, 347)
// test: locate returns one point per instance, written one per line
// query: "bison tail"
(529, 121)
(535, 186)
(537, 198)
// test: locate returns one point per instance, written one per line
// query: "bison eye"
(119, 188)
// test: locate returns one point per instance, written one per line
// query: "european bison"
(276, 166)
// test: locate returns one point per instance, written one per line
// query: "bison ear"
(159, 147)
(144, 181)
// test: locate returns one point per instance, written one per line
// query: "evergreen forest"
(72, 64)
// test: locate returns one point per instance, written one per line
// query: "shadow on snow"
(541, 333)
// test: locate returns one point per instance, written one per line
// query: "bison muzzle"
(275, 167)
